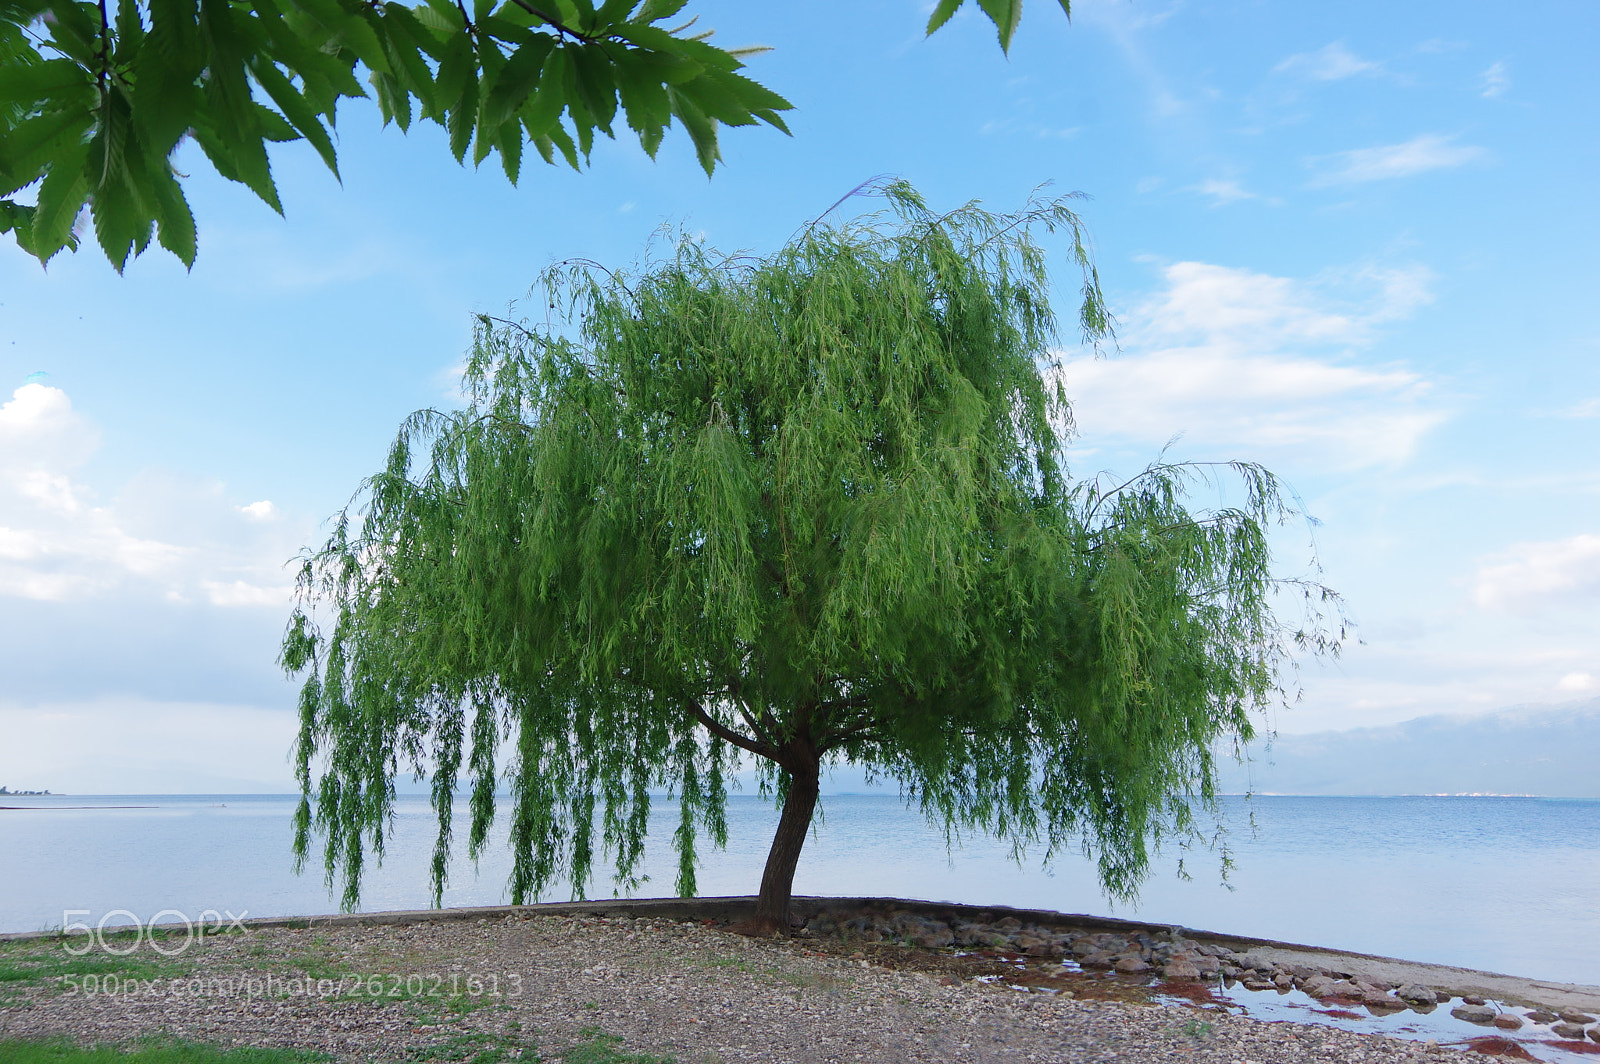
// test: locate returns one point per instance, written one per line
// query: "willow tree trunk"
(777, 882)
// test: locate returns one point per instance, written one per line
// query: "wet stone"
(1475, 1013)
(1574, 1016)
(1417, 994)
(1542, 1016)
(1507, 1022)
(1130, 965)
(1571, 1031)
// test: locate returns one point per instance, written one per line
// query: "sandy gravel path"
(546, 986)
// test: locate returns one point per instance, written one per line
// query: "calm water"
(1504, 884)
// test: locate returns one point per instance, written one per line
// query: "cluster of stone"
(1164, 953)
(1569, 1024)
(1170, 955)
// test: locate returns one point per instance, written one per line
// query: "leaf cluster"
(96, 95)
(806, 509)
(1005, 14)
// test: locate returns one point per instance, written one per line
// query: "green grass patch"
(474, 1047)
(59, 1051)
(40, 963)
(602, 1048)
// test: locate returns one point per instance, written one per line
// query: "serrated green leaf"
(564, 145)
(545, 146)
(393, 100)
(106, 165)
(74, 30)
(644, 97)
(655, 10)
(1005, 14)
(35, 144)
(595, 85)
(543, 112)
(458, 65)
(516, 81)
(510, 31)
(406, 56)
(441, 18)
(295, 109)
(24, 86)
(942, 13)
(117, 220)
(510, 144)
(17, 218)
(62, 194)
(464, 119)
(176, 220)
(166, 99)
(130, 30)
(274, 126)
(702, 131)
(612, 12)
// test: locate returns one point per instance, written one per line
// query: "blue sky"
(1355, 242)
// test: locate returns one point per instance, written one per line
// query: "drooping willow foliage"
(812, 508)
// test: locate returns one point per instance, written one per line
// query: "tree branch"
(728, 735)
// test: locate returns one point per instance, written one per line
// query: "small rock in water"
(1474, 1013)
(1100, 959)
(1594, 1032)
(1574, 1016)
(1131, 964)
(1473, 999)
(1507, 1022)
(1571, 1031)
(1417, 994)
(1542, 1016)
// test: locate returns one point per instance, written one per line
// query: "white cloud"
(1577, 682)
(1429, 151)
(1585, 408)
(1230, 358)
(1530, 576)
(1496, 82)
(1332, 62)
(160, 537)
(1223, 192)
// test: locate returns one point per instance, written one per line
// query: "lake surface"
(1504, 884)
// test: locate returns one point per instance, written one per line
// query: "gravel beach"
(637, 987)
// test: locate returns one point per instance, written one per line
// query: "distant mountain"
(1543, 750)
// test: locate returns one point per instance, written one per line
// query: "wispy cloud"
(1247, 363)
(1418, 155)
(1496, 82)
(1222, 192)
(1332, 62)
(1531, 576)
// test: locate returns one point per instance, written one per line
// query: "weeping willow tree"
(797, 511)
